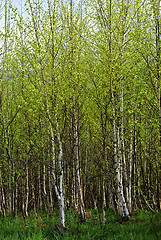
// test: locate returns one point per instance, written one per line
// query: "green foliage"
(82, 62)
(47, 228)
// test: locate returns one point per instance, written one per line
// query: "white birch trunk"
(50, 190)
(39, 182)
(59, 192)
(119, 178)
(123, 171)
(86, 170)
(44, 188)
(104, 201)
(78, 179)
(123, 148)
(27, 186)
(121, 197)
(33, 194)
(23, 197)
(130, 174)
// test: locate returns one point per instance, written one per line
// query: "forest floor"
(143, 225)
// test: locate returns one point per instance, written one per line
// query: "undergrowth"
(144, 225)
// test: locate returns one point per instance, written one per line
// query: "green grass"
(139, 227)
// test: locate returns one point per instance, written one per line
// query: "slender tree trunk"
(40, 204)
(27, 185)
(130, 175)
(104, 201)
(23, 196)
(50, 182)
(122, 202)
(122, 162)
(61, 191)
(16, 197)
(33, 192)
(73, 197)
(44, 187)
(134, 165)
(78, 177)
(3, 203)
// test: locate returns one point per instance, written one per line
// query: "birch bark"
(78, 177)
(27, 185)
(130, 174)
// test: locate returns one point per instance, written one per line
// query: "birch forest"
(80, 107)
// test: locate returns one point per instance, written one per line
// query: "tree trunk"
(59, 192)
(130, 175)
(78, 177)
(27, 185)
(40, 204)
(3, 204)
